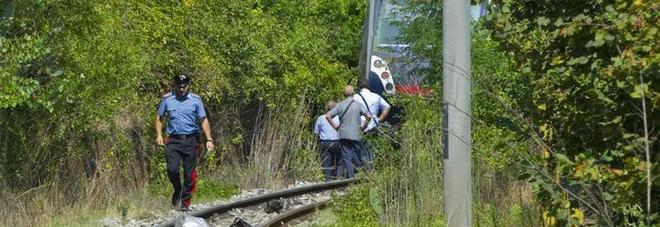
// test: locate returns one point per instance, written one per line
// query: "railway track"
(285, 218)
(214, 213)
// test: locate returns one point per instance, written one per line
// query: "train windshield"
(401, 65)
(386, 32)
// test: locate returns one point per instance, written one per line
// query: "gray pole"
(370, 37)
(457, 138)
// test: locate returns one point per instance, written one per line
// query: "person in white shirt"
(374, 103)
(330, 149)
(379, 108)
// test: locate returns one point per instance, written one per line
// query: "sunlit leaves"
(640, 90)
(590, 63)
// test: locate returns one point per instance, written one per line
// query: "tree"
(81, 75)
(590, 66)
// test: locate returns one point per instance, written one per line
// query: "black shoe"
(176, 198)
(177, 205)
(180, 206)
(185, 209)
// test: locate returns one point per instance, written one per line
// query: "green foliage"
(80, 78)
(420, 23)
(406, 188)
(516, 215)
(497, 90)
(211, 191)
(588, 65)
(497, 87)
(354, 209)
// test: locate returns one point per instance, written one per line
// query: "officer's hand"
(159, 140)
(209, 145)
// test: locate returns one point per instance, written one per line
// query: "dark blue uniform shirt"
(183, 112)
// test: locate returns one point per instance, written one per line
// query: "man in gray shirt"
(350, 131)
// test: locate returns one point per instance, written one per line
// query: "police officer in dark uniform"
(184, 110)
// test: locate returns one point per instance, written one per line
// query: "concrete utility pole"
(370, 38)
(457, 139)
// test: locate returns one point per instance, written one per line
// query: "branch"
(647, 150)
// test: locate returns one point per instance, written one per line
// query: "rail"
(222, 208)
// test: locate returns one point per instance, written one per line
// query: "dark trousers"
(365, 156)
(367, 150)
(349, 158)
(182, 151)
(330, 152)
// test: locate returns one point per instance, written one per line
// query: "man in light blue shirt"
(183, 110)
(328, 143)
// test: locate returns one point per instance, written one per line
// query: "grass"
(322, 218)
(355, 208)
(119, 189)
(45, 207)
(406, 187)
(509, 204)
(404, 190)
(207, 190)
(282, 149)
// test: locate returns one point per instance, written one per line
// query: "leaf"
(562, 158)
(621, 84)
(557, 60)
(375, 201)
(542, 107)
(640, 90)
(546, 131)
(615, 121)
(601, 96)
(542, 21)
(506, 9)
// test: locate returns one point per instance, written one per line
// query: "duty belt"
(183, 136)
(328, 141)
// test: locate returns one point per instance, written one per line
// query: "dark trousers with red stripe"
(182, 151)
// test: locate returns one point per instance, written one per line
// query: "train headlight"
(385, 75)
(378, 63)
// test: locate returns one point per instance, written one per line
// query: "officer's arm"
(206, 126)
(160, 111)
(159, 130)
